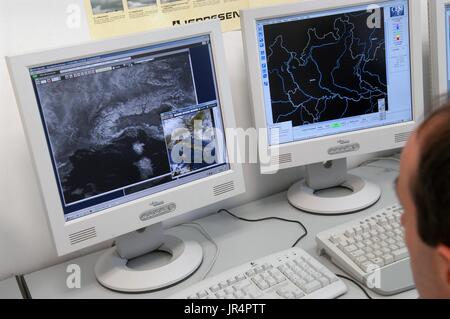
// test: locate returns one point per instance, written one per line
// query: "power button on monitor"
(344, 149)
(155, 212)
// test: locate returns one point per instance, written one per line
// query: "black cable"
(270, 218)
(356, 283)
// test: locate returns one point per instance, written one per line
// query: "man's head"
(423, 188)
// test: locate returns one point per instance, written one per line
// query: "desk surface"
(9, 289)
(239, 242)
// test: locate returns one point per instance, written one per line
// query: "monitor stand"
(305, 195)
(113, 272)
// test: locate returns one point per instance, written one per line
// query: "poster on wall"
(109, 18)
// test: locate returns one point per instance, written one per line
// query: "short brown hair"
(431, 189)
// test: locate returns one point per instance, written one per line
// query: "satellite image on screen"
(105, 128)
(326, 68)
(191, 141)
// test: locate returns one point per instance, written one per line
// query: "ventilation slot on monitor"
(281, 159)
(223, 188)
(402, 137)
(82, 235)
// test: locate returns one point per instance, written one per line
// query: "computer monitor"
(125, 134)
(439, 24)
(332, 79)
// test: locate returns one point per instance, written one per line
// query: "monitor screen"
(125, 125)
(335, 71)
(447, 42)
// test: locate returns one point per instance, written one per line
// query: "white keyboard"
(291, 274)
(372, 250)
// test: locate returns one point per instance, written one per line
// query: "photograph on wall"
(107, 6)
(137, 4)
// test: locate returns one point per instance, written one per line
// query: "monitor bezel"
(125, 218)
(316, 150)
(438, 50)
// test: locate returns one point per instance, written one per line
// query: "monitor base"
(113, 273)
(333, 174)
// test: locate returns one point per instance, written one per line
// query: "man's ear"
(444, 253)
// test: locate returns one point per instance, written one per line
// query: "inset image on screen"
(106, 6)
(191, 139)
(134, 4)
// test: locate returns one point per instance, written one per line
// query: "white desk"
(239, 242)
(9, 289)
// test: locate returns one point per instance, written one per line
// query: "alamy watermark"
(73, 280)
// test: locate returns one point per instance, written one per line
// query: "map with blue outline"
(326, 68)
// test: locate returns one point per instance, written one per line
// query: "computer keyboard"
(372, 250)
(291, 274)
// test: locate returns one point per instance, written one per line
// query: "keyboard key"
(360, 259)
(214, 288)
(400, 253)
(262, 284)
(350, 248)
(271, 281)
(229, 290)
(357, 230)
(202, 294)
(220, 294)
(335, 239)
(231, 281)
(239, 294)
(299, 282)
(298, 294)
(367, 249)
(311, 286)
(324, 281)
(376, 247)
(367, 266)
(349, 233)
(388, 259)
(370, 256)
(258, 269)
(223, 284)
(250, 273)
(378, 253)
(240, 277)
(378, 261)
(393, 247)
(356, 253)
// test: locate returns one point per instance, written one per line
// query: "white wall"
(25, 240)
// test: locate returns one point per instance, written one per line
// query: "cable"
(270, 218)
(368, 162)
(357, 284)
(205, 233)
(379, 159)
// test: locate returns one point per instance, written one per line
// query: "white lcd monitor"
(125, 134)
(332, 79)
(439, 23)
